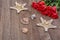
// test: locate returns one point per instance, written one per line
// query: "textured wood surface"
(10, 25)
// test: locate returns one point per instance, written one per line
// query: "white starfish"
(19, 7)
(46, 24)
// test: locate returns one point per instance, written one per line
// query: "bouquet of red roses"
(50, 11)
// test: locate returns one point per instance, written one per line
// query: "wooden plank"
(15, 31)
(1, 27)
(35, 31)
(5, 18)
(23, 14)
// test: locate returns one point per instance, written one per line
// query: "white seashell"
(25, 21)
(33, 16)
(24, 30)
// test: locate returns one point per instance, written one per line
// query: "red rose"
(42, 8)
(54, 16)
(44, 12)
(54, 8)
(35, 5)
(49, 13)
(41, 3)
(48, 7)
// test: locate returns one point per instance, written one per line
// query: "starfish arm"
(12, 7)
(17, 4)
(42, 20)
(46, 29)
(39, 24)
(50, 21)
(21, 10)
(52, 26)
(24, 4)
(25, 9)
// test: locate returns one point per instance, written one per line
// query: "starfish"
(19, 7)
(46, 24)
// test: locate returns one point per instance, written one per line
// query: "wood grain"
(10, 23)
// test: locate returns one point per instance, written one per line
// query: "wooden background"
(10, 25)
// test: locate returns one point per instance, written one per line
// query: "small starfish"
(46, 24)
(19, 7)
